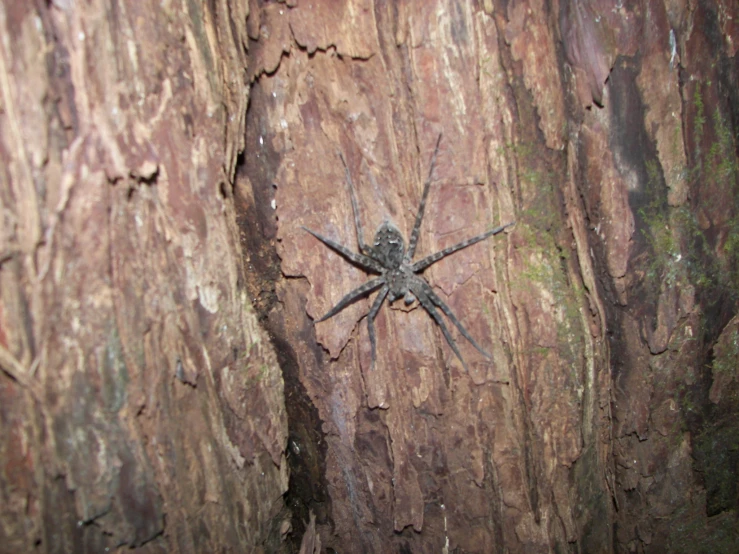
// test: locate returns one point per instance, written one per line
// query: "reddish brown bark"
(141, 403)
(577, 121)
(156, 289)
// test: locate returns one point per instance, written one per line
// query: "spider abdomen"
(389, 246)
(397, 281)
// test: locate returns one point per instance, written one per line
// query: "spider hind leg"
(376, 305)
(448, 312)
(421, 294)
(353, 296)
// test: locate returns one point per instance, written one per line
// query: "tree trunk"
(157, 288)
(142, 404)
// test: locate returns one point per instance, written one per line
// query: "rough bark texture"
(141, 403)
(153, 282)
(608, 132)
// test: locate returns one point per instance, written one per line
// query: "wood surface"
(163, 384)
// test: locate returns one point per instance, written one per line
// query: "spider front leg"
(420, 265)
(365, 262)
(363, 247)
(421, 207)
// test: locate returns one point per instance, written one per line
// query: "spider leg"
(420, 265)
(365, 262)
(421, 207)
(354, 295)
(448, 312)
(363, 248)
(428, 305)
(376, 305)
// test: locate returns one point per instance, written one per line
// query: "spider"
(399, 276)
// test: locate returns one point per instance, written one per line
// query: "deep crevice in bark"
(254, 197)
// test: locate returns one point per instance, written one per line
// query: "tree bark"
(163, 373)
(142, 405)
(600, 129)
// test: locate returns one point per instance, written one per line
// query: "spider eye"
(409, 298)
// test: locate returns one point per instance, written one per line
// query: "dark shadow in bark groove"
(253, 196)
(306, 456)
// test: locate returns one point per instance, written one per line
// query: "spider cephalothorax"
(398, 276)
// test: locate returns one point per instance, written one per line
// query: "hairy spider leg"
(448, 312)
(421, 207)
(363, 247)
(429, 307)
(365, 262)
(376, 305)
(354, 295)
(420, 265)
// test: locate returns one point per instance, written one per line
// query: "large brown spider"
(398, 276)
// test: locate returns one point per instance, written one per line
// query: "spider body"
(398, 276)
(389, 250)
